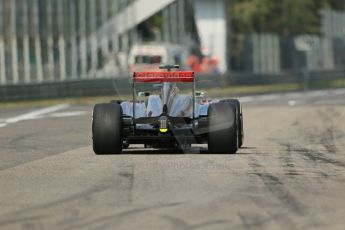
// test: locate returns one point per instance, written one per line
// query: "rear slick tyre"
(223, 128)
(107, 129)
(239, 120)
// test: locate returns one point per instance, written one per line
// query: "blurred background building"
(73, 40)
(58, 40)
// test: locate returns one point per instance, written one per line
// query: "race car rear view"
(161, 116)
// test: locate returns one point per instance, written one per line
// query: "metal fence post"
(93, 38)
(26, 43)
(256, 53)
(50, 42)
(115, 36)
(173, 15)
(166, 26)
(38, 55)
(276, 55)
(181, 21)
(105, 39)
(62, 54)
(74, 51)
(2, 48)
(82, 43)
(14, 47)
(306, 77)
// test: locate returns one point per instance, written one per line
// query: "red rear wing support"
(160, 77)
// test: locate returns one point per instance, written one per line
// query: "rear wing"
(160, 77)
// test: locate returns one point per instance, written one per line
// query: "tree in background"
(285, 17)
(330, 4)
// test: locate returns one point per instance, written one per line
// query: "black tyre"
(223, 128)
(239, 121)
(107, 129)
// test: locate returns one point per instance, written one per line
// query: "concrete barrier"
(122, 86)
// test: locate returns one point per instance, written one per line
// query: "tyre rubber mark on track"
(278, 189)
(33, 114)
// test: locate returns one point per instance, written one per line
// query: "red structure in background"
(206, 65)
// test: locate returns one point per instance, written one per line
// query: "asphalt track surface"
(290, 175)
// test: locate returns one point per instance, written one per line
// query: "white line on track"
(292, 103)
(68, 114)
(269, 97)
(36, 114)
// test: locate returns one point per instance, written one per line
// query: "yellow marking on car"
(163, 130)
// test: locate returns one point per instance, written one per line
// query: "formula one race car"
(167, 118)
